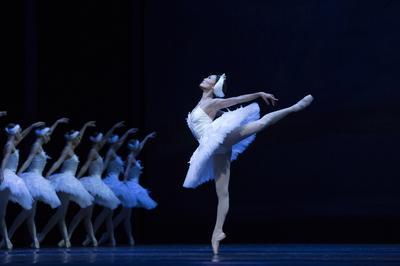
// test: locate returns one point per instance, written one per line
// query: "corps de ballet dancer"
(67, 186)
(114, 167)
(222, 138)
(142, 198)
(93, 183)
(12, 187)
(39, 187)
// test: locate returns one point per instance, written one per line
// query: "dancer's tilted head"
(134, 145)
(44, 133)
(96, 137)
(13, 130)
(73, 137)
(216, 83)
(113, 139)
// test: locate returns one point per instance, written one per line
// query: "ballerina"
(131, 177)
(102, 194)
(12, 187)
(114, 166)
(38, 186)
(67, 186)
(222, 139)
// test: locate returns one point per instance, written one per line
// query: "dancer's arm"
(64, 154)
(123, 138)
(109, 133)
(25, 132)
(6, 154)
(35, 150)
(3, 113)
(59, 121)
(131, 161)
(143, 142)
(85, 126)
(85, 167)
(228, 102)
(109, 156)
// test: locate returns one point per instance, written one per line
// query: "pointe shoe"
(103, 239)
(67, 244)
(86, 242)
(131, 241)
(61, 244)
(40, 237)
(303, 103)
(8, 243)
(35, 243)
(215, 241)
(94, 242)
(112, 243)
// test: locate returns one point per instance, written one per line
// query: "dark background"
(327, 174)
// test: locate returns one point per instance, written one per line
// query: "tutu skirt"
(127, 198)
(19, 192)
(102, 194)
(41, 188)
(210, 143)
(66, 182)
(142, 195)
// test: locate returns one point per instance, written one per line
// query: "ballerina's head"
(96, 138)
(214, 83)
(73, 137)
(134, 145)
(43, 132)
(13, 130)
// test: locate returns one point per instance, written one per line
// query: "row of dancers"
(97, 182)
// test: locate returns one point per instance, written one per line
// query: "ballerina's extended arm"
(228, 102)
(85, 126)
(26, 131)
(64, 155)
(92, 156)
(3, 113)
(152, 135)
(36, 148)
(59, 121)
(109, 133)
(131, 162)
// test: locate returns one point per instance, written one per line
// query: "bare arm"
(59, 121)
(6, 155)
(60, 160)
(85, 126)
(109, 156)
(25, 132)
(109, 133)
(3, 113)
(35, 149)
(85, 167)
(149, 136)
(131, 162)
(124, 137)
(228, 102)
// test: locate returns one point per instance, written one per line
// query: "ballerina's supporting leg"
(105, 215)
(89, 225)
(265, 121)
(58, 217)
(128, 226)
(115, 222)
(23, 216)
(4, 196)
(222, 174)
(32, 226)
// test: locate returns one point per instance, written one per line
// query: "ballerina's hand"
(38, 124)
(133, 130)
(119, 124)
(63, 120)
(268, 98)
(152, 135)
(91, 124)
(3, 113)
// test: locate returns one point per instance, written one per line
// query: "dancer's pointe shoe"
(131, 241)
(61, 244)
(303, 103)
(112, 242)
(40, 237)
(94, 242)
(86, 242)
(102, 239)
(215, 241)
(8, 243)
(35, 243)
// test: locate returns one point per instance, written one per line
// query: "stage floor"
(201, 255)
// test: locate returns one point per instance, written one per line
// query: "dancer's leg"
(57, 216)
(89, 225)
(32, 226)
(265, 121)
(22, 216)
(72, 226)
(4, 196)
(221, 173)
(115, 222)
(128, 226)
(110, 228)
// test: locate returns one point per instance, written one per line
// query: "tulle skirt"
(201, 162)
(41, 188)
(19, 192)
(127, 199)
(102, 194)
(143, 196)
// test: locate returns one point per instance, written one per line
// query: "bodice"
(38, 162)
(12, 162)
(96, 166)
(136, 171)
(115, 166)
(198, 122)
(70, 165)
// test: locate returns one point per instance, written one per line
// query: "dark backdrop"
(327, 174)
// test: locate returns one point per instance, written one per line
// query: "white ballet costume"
(39, 187)
(114, 169)
(66, 182)
(19, 192)
(102, 194)
(211, 134)
(143, 198)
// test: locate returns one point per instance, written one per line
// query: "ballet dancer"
(141, 198)
(12, 187)
(93, 183)
(38, 186)
(113, 166)
(222, 139)
(67, 186)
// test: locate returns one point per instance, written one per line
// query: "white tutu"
(100, 191)
(19, 192)
(120, 190)
(211, 134)
(143, 198)
(66, 182)
(41, 188)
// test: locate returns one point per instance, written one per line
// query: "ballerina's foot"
(131, 241)
(40, 237)
(8, 243)
(86, 242)
(215, 241)
(112, 242)
(61, 244)
(35, 243)
(103, 239)
(94, 242)
(303, 103)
